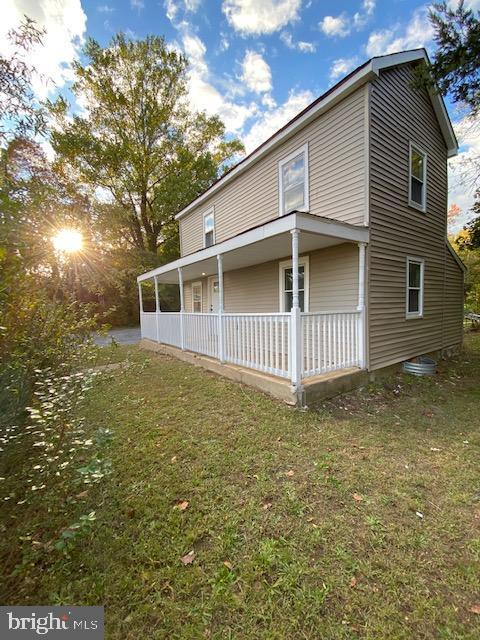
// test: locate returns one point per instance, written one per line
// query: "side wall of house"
(333, 284)
(454, 299)
(400, 115)
(337, 147)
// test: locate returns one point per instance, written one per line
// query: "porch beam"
(295, 322)
(362, 247)
(182, 308)
(221, 353)
(157, 307)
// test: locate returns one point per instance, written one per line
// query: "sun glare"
(67, 241)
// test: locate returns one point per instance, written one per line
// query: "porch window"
(197, 297)
(286, 284)
(418, 178)
(209, 229)
(293, 181)
(415, 271)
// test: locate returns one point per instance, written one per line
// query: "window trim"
(196, 284)
(306, 200)
(211, 212)
(411, 203)
(286, 264)
(415, 314)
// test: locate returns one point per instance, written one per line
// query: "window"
(286, 284)
(415, 270)
(197, 297)
(418, 178)
(293, 181)
(209, 229)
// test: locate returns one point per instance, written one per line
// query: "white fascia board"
(361, 77)
(303, 222)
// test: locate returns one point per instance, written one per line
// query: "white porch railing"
(263, 341)
(330, 342)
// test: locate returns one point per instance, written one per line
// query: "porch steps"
(316, 388)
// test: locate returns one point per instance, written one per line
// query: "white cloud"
(171, 9)
(304, 47)
(335, 26)
(137, 4)
(256, 73)
(273, 119)
(342, 25)
(105, 8)
(260, 16)
(342, 66)
(65, 23)
(192, 5)
(417, 33)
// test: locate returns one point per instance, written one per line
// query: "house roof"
(369, 70)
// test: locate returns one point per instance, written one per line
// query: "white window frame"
(207, 213)
(287, 264)
(199, 283)
(420, 207)
(415, 314)
(306, 200)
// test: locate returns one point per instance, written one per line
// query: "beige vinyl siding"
(337, 163)
(256, 289)
(453, 313)
(399, 115)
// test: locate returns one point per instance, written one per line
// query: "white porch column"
(221, 352)
(140, 299)
(182, 308)
(296, 320)
(361, 304)
(157, 307)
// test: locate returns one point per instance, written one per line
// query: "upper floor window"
(209, 229)
(197, 297)
(415, 271)
(293, 181)
(418, 178)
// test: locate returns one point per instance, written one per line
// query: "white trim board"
(364, 74)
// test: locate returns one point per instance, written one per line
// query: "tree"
(455, 67)
(137, 140)
(19, 113)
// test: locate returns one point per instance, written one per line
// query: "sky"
(255, 63)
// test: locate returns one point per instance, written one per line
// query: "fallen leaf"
(188, 558)
(82, 494)
(290, 473)
(267, 505)
(357, 497)
(130, 513)
(419, 514)
(475, 608)
(228, 565)
(353, 582)
(174, 459)
(434, 449)
(181, 506)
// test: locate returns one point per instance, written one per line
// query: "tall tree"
(20, 115)
(137, 140)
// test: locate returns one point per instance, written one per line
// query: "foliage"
(471, 239)
(137, 140)
(19, 114)
(455, 68)
(470, 255)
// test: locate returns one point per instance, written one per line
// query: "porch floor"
(315, 388)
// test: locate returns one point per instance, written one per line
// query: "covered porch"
(292, 344)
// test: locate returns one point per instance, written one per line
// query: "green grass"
(283, 547)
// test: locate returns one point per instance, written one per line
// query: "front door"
(213, 295)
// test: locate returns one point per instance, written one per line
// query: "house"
(322, 257)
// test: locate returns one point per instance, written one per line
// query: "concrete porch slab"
(315, 388)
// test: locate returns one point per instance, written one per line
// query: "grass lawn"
(360, 519)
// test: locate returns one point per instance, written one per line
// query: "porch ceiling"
(270, 241)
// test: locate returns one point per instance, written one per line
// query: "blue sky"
(255, 63)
